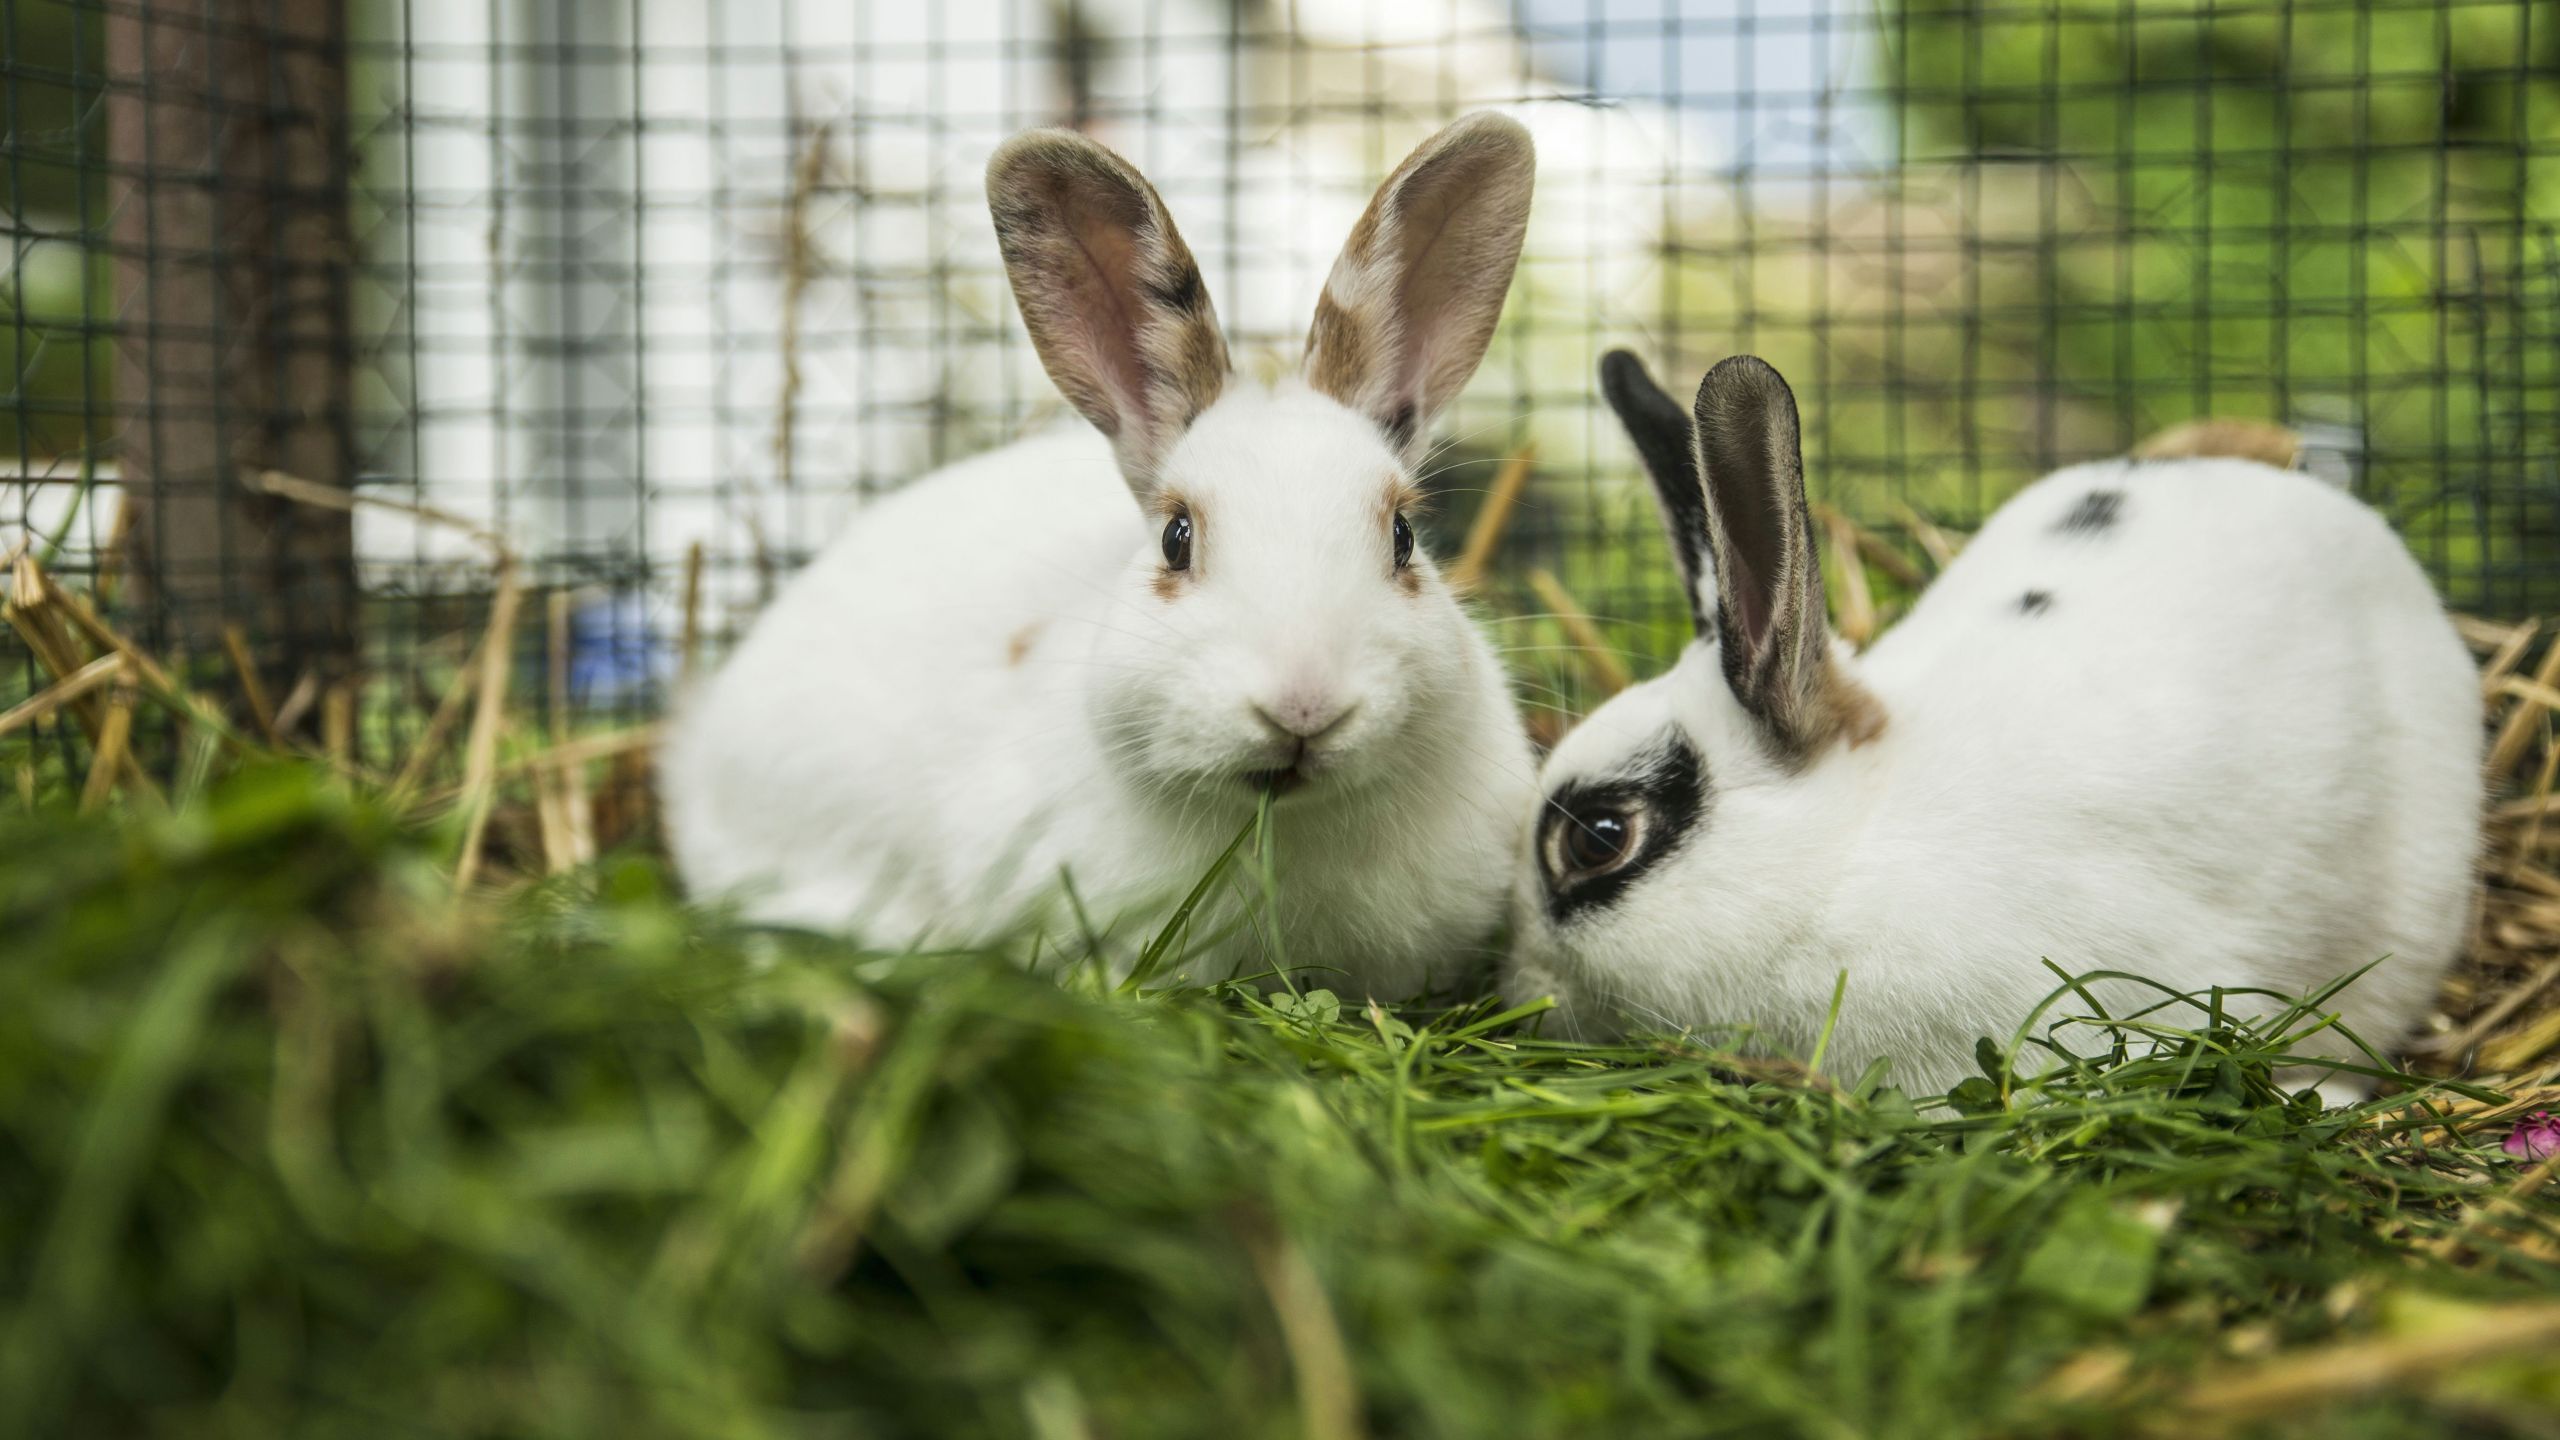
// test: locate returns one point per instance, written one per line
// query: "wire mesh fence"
(655, 292)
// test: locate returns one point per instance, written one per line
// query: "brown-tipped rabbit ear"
(1776, 646)
(1412, 300)
(1662, 433)
(1110, 294)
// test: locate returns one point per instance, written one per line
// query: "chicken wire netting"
(654, 292)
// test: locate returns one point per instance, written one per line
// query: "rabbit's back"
(867, 737)
(2202, 719)
(2210, 610)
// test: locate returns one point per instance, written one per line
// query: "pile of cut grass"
(292, 1143)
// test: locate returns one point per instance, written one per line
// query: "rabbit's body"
(2203, 721)
(1048, 687)
(867, 746)
(915, 746)
(2234, 742)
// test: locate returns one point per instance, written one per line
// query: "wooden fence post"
(230, 143)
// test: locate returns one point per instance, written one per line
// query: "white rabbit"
(2199, 720)
(1090, 654)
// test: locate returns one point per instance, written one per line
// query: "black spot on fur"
(2098, 510)
(1399, 426)
(1185, 292)
(2035, 602)
(1666, 785)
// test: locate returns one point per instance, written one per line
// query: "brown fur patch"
(1338, 351)
(1361, 245)
(2261, 440)
(1848, 710)
(1018, 649)
(1803, 721)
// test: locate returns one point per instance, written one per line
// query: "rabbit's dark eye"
(1602, 834)
(1595, 838)
(1177, 542)
(1597, 841)
(1404, 541)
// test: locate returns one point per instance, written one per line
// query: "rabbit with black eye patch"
(2199, 720)
(1088, 656)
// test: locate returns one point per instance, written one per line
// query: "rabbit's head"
(1277, 625)
(1690, 819)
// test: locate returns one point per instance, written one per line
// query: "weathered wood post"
(229, 138)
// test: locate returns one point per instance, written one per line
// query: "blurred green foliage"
(54, 286)
(2335, 213)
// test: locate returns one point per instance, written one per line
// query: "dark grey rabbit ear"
(1776, 644)
(1665, 441)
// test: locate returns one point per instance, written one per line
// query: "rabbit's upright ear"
(1776, 646)
(1664, 441)
(1110, 294)
(1412, 299)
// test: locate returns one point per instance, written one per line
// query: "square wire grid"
(632, 282)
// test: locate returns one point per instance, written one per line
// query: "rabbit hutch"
(411, 402)
(340, 328)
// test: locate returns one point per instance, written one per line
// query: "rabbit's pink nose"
(1304, 715)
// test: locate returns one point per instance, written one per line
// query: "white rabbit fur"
(994, 677)
(2234, 740)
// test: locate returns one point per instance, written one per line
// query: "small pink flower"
(2537, 1137)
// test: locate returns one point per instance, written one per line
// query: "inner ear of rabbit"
(1776, 646)
(1109, 292)
(1412, 300)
